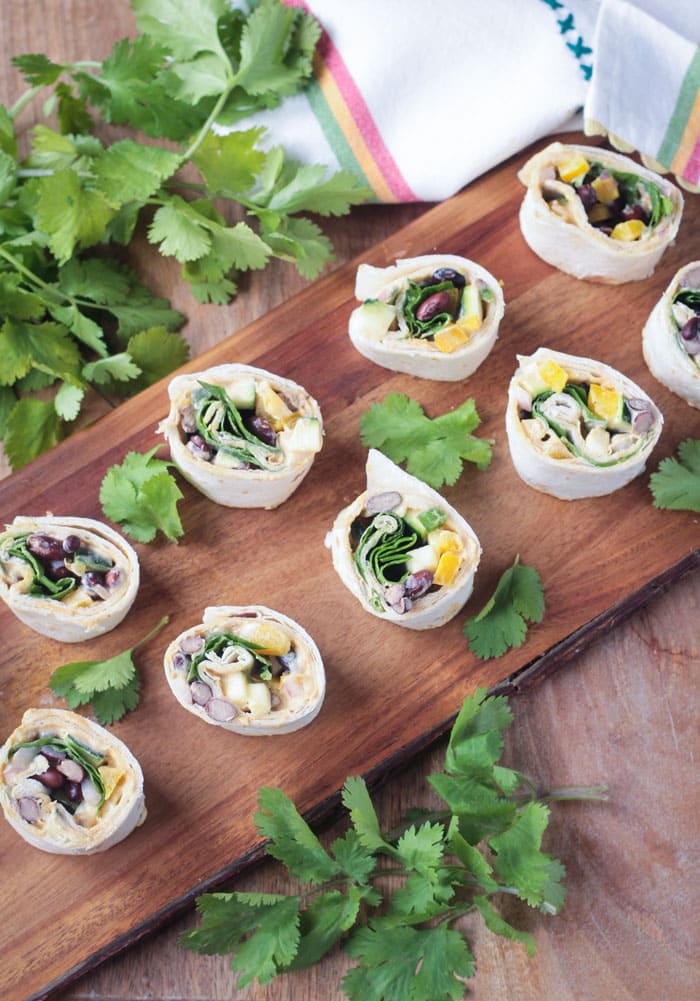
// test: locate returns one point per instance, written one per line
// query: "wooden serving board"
(390, 690)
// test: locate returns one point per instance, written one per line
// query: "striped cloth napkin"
(419, 97)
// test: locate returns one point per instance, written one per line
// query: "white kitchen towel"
(419, 97)
(645, 87)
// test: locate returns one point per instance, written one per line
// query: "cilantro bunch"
(218, 203)
(484, 843)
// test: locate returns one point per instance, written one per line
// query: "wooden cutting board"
(390, 690)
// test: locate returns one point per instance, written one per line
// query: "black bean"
(112, 577)
(586, 193)
(45, 546)
(261, 428)
(449, 275)
(51, 778)
(690, 335)
(57, 570)
(633, 212)
(418, 583)
(52, 754)
(199, 448)
(93, 578)
(73, 792)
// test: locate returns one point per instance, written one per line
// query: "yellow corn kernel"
(273, 640)
(450, 338)
(628, 231)
(444, 541)
(274, 407)
(447, 568)
(599, 213)
(570, 169)
(554, 375)
(111, 777)
(606, 188)
(604, 402)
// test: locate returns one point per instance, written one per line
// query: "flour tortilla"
(667, 360)
(88, 831)
(572, 244)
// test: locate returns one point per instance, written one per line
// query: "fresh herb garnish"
(141, 495)
(433, 449)
(485, 842)
(502, 623)
(72, 322)
(676, 483)
(111, 686)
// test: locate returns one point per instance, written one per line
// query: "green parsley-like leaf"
(120, 367)
(68, 400)
(322, 923)
(476, 738)
(357, 802)
(676, 483)
(291, 839)
(141, 495)
(230, 162)
(130, 171)
(433, 450)
(519, 861)
(502, 622)
(499, 926)
(71, 214)
(32, 427)
(37, 69)
(179, 230)
(157, 351)
(112, 686)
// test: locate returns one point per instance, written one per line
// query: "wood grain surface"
(633, 550)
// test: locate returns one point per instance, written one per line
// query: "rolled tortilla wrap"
(247, 669)
(402, 550)
(597, 215)
(67, 578)
(242, 436)
(67, 785)
(576, 427)
(435, 316)
(671, 335)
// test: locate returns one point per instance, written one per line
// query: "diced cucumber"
(375, 318)
(471, 302)
(242, 393)
(305, 436)
(259, 700)
(236, 688)
(413, 519)
(424, 558)
(431, 518)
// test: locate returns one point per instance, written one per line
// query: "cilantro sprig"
(141, 495)
(71, 322)
(434, 449)
(676, 483)
(111, 686)
(483, 842)
(503, 621)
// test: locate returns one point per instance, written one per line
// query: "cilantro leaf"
(141, 495)
(519, 861)
(433, 450)
(322, 923)
(71, 214)
(68, 400)
(502, 622)
(311, 190)
(32, 427)
(179, 230)
(676, 483)
(495, 923)
(156, 352)
(291, 839)
(357, 802)
(230, 162)
(112, 686)
(130, 171)
(37, 69)
(120, 367)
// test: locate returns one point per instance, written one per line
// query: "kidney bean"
(201, 693)
(385, 501)
(586, 193)
(73, 792)
(71, 544)
(45, 546)
(690, 335)
(57, 570)
(73, 771)
(192, 644)
(29, 809)
(51, 778)
(437, 303)
(93, 578)
(188, 421)
(261, 428)
(112, 577)
(418, 583)
(221, 710)
(642, 417)
(199, 448)
(449, 275)
(52, 754)
(181, 661)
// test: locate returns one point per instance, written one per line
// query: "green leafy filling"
(76, 751)
(221, 425)
(218, 642)
(381, 554)
(41, 585)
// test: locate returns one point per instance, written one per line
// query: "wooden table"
(623, 712)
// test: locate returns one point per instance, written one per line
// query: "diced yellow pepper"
(273, 640)
(599, 213)
(111, 777)
(554, 375)
(628, 231)
(573, 168)
(447, 568)
(274, 407)
(469, 323)
(606, 188)
(444, 541)
(605, 403)
(450, 338)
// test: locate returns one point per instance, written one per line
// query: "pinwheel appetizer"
(67, 785)
(671, 336)
(402, 550)
(242, 436)
(596, 214)
(576, 427)
(435, 317)
(247, 669)
(67, 578)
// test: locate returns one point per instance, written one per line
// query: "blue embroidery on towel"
(567, 23)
